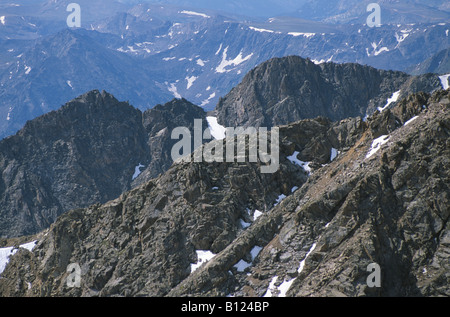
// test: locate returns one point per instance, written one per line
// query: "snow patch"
(203, 256)
(260, 30)
(284, 287)
(239, 59)
(272, 288)
(242, 265)
(280, 199)
(294, 160)
(255, 251)
(390, 100)
(201, 62)
(317, 62)
(400, 38)
(302, 263)
(137, 171)
(376, 145)
(5, 253)
(218, 131)
(130, 49)
(8, 116)
(257, 214)
(195, 13)
(281, 290)
(444, 81)
(29, 246)
(381, 50)
(206, 101)
(411, 120)
(173, 89)
(220, 48)
(190, 81)
(375, 49)
(307, 35)
(244, 224)
(334, 154)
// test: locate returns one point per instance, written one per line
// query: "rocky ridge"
(288, 89)
(90, 151)
(347, 194)
(66, 159)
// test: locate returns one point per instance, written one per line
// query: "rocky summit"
(356, 208)
(90, 151)
(284, 90)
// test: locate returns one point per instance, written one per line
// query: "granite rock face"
(85, 153)
(347, 195)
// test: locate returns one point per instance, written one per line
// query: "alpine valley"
(88, 182)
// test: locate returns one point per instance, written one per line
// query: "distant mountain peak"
(85, 152)
(96, 97)
(287, 89)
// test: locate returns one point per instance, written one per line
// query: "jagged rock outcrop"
(390, 208)
(85, 153)
(376, 192)
(159, 122)
(288, 89)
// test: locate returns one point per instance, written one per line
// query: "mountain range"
(66, 159)
(148, 53)
(93, 203)
(334, 11)
(348, 195)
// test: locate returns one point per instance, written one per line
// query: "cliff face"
(347, 194)
(159, 122)
(85, 153)
(285, 90)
